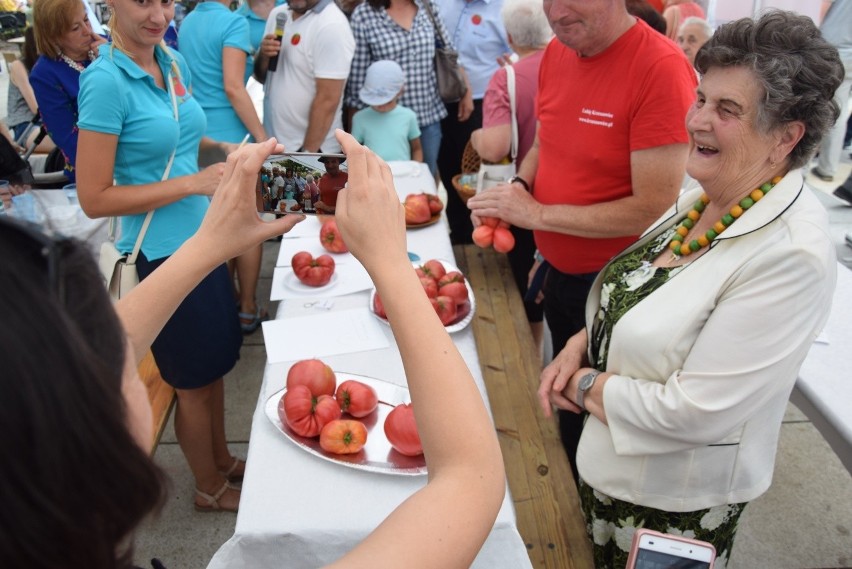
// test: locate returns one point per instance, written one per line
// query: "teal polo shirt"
(257, 25)
(203, 34)
(118, 98)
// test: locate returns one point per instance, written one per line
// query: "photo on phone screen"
(301, 182)
(654, 550)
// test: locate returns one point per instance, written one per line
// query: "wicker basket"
(469, 165)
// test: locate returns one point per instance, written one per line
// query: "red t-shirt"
(593, 112)
(329, 186)
(496, 107)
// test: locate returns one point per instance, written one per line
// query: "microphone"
(280, 22)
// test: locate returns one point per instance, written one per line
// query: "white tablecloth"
(298, 510)
(823, 390)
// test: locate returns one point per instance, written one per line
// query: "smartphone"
(301, 183)
(655, 550)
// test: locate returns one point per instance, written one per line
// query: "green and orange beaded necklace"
(681, 249)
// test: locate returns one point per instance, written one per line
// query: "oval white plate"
(377, 455)
(292, 282)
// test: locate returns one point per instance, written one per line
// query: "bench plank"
(161, 396)
(547, 507)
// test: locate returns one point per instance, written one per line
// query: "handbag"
(451, 84)
(119, 270)
(490, 175)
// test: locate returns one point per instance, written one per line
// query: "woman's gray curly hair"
(798, 69)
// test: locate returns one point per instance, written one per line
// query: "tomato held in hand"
(343, 436)
(356, 398)
(504, 241)
(401, 430)
(317, 376)
(310, 271)
(331, 239)
(306, 414)
(483, 236)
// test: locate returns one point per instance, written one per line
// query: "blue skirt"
(201, 341)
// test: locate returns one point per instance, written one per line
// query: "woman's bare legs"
(197, 417)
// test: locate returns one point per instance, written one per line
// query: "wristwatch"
(586, 383)
(521, 181)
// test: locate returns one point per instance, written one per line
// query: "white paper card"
(323, 334)
(348, 278)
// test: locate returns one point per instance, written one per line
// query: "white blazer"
(705, 364)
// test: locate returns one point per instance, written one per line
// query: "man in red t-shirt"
(608, 159)
(330, 183)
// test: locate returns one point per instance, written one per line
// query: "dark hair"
(76, 482)
(644, 11)
(797, 68)
(29, 53)
(376, 4)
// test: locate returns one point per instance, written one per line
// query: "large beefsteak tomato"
(356, 398)
(343, 436)
(310, 271)
(331, 239)
(317, 376)
(306, 414)
(401, 430)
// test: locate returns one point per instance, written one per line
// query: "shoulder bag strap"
(132, 258)
(513, 103)
(427, 4)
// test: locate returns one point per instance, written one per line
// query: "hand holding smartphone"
(655, 550)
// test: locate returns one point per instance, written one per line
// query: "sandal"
(213, 500)
(229, 474)
(250, 322)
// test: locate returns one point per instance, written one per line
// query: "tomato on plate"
(343, 436)
(310, 271)
(306, 414)
(356, 398)
(314, 374)
(401, 430)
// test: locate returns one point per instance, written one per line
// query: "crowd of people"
(665, 307)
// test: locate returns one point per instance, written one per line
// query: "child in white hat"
(386, 127)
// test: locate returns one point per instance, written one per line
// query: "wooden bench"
(161, 395)
(546, 504)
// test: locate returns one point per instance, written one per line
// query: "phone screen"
(646, 559)
(301, 183)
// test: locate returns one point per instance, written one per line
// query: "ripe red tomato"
(318, 377)
(401, 430)
(455, 290)
(483, 236)
(504, 241)
(451, 277)
(490, 221)
(310, 271)
(434, 268)
(416, 209)
(331, 239)
(306, 414)
(430, 286)
(343, 436)
(446, 309)
(435, 203)
(356, 398)
(378, 307)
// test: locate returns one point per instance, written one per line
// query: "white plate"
(403, 168)
(377, 455)
(292, 282)
(455, 326)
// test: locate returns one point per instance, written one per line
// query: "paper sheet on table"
(321, 335)
(310, 227)
(348, 278)
(311, 245)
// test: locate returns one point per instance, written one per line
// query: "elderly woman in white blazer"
(695, 334)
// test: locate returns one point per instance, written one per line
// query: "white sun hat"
(383, 82)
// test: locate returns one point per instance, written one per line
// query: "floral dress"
(610, 522)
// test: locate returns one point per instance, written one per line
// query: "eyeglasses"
(49, 246)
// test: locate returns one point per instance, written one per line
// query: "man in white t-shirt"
(303, 94)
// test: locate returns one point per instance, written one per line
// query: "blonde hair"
(52, 19)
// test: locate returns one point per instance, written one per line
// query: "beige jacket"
(704, 365)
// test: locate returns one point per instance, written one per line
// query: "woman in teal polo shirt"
(215, 43)
(128, 135)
